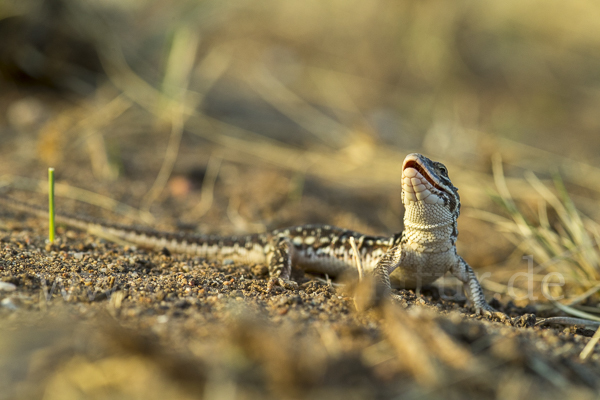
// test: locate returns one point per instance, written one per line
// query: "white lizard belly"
(335, 265)
(417, 269)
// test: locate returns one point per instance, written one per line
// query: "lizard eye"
(443, 169)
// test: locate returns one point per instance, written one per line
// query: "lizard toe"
(494, 315)
(288, 284)
(284, 283)
(396, 298)
(274, 281)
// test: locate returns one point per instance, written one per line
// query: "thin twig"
(564, 308)
(168, 162)
(567, 321)
(208, 186)
(287, 102)
(177, 76)
(587, 350)
(584, 296)
(357, 261)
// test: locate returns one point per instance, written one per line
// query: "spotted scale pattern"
(423, 252)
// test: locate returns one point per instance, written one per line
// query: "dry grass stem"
(208, 185)
(176, 80)
(564, 244)
(589, 347)
(303, 113)
(324, 128)
(567, 309)
(356, 257)
(412, 349)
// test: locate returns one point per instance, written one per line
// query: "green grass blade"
(51, 204)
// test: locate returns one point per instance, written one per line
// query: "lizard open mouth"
(417, 166)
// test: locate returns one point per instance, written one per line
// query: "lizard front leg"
(381, 287)
(466, 275)
(280, 264)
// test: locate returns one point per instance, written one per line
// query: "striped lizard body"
(420, 254)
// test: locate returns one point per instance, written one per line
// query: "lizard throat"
(426, 227)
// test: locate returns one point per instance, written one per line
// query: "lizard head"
(426, 182)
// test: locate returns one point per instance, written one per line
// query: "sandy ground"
(87, 318)
(301, 114)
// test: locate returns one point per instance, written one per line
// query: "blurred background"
(275, 113)
(240, 116)
(457, 81)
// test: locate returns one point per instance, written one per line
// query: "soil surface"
(87, 318)
(274, 114)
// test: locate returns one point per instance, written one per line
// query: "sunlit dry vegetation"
(241, 115)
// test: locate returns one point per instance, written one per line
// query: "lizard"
(424, 251)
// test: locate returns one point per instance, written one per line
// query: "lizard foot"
(396, 298)
(284, 283)
(491, 314)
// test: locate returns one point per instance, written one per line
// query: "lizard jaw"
(417, 184)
